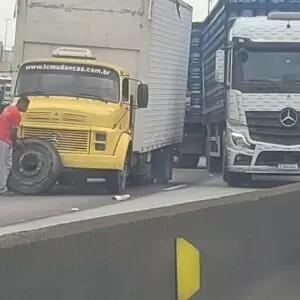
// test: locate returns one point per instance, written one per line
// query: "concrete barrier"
(249, 245)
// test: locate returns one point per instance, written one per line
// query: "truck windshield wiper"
(262, 81)
(33, 93)
(91, 96)
(266, 81)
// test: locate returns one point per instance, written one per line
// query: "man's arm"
(15, 123)
(14, 136)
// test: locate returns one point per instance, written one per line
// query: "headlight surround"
(100, 141)
(240, 140)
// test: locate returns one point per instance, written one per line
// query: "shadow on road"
(98, 188)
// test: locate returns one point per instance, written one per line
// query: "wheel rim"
(30, 164)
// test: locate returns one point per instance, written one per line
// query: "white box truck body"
(139, 41)
(149, 38)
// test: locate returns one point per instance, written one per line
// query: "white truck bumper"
(281, 162)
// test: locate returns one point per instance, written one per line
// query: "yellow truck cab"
(79, 123)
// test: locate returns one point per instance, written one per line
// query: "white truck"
(149, 39)
(259, 70)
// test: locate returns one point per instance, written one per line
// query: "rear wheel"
(162, 165)
(188, 161)
(36, 167)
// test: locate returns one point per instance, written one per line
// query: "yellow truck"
(107, 101)
(79, 120)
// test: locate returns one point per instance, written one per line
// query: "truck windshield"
(266, 71)
(73, 80)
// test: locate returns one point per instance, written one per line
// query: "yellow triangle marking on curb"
(188, 265)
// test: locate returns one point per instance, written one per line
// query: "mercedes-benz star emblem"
(288, 117)
(56, 138)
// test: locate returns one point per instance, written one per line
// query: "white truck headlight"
(240, 140)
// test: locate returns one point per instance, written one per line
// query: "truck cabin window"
(70, 80)
(125, 90)
(266, 70)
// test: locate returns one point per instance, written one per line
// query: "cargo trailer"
(193, 144)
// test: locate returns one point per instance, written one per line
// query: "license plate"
(288, 166)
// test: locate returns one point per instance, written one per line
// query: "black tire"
(36, 167)
(162, 164)
(238, 179)
(188, 161)
(116, 181)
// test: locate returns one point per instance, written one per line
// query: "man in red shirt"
(10, 120)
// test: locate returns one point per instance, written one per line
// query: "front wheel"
(116, 181)
(238, 179)
(36, 167)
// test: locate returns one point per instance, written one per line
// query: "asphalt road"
(18, 209)
(187, 185)
(283, 284)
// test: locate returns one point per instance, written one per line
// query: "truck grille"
(63, 140)
(265, 126)
(38, 116)
(273, 158)
(70, 118)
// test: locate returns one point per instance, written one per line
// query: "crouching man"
(10, 120)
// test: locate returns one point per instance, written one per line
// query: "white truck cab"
(260, 71)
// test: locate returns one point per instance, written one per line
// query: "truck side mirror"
(143, 95)
(220, 66)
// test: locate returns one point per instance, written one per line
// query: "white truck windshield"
(267, 71)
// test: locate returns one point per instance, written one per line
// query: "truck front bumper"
(86, 161)
(266, 159)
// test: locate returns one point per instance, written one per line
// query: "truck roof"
(77, 61)
(263, 29)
